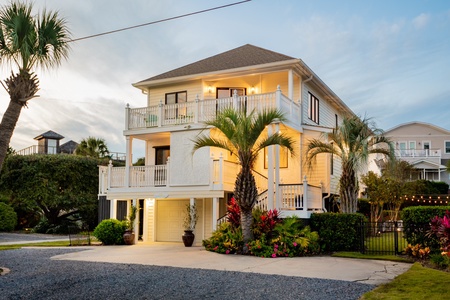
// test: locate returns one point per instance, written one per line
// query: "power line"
(159, 21)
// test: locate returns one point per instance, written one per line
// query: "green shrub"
(110, 232)
(440, 261)
(416, 221)
(8, 217)
(226, 240)
(337, 231)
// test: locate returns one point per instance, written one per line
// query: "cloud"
(421, 21)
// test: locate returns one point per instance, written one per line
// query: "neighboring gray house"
(425, 146)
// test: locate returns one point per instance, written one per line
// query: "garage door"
(169, 218)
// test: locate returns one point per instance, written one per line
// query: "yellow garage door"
(169, 218)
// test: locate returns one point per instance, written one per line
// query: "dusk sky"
(386, 59)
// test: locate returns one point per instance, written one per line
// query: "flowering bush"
(289, 239)
(233, 213)
(226, 240)
(417, 251)
(440, 227)
(264, 222)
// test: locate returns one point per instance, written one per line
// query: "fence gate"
(384, 238)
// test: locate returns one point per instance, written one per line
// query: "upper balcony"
(198, 111)
(412, 155)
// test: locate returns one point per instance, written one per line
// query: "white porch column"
(128, 159)
(127, 116)
(291, 84)
(305, 194)
(112, 209)
(215, 212)
(277, 171)
(270, 191)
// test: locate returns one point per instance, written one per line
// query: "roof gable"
(416, 128)
(49, 135)
(244, 56)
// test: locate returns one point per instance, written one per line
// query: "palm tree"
(352, 142)
(27, 41)
(242, 135)
(92, 147)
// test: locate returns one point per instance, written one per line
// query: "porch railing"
(418, 153)
(204, 110)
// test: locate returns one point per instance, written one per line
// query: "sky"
(388, 60)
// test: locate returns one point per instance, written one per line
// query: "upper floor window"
(177, 97)
(447, 147)
(225, 92)
(313, 109)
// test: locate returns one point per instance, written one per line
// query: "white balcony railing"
(418, 153)
(203, 110)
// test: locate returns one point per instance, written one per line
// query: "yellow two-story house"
(179, 101)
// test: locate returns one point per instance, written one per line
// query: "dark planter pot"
(188, 238)
(128, 237)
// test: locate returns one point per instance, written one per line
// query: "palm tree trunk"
(246, 194)
(349, 191)
(7, 126)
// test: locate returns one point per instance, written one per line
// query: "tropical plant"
(92, 147)
(190, 217)
(27, 41)
(226, 240)
(131, 217)
(243, 135)
(352, 142)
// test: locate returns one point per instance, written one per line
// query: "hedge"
(8, 217)
(416, 221)
(337, 231)
(110, 232)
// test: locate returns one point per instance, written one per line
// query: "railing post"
(168, 171)
(109, 175)
(160, 113)
(305, 194)
(235, 100)
(127, 116)
(278, 97)
(196, 109)
(211, 172)
(221, 170)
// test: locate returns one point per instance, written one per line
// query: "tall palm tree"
(27, 41)
(242, 135)
(92, 147)
(352, 143)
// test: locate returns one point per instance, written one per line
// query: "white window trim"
(445, 147)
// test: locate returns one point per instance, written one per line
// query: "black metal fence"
(79, 236)
(383, 238)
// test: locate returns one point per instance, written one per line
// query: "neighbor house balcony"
(199, 111)
(413, 155)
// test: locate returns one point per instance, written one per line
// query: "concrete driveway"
(373, 272)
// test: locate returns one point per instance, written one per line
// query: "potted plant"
(190, 220)
(128, 235)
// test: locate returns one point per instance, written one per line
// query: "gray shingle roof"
(49, 135)
(244, 56)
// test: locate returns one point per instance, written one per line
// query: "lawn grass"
(416, 283)
(385, 242)
(43, 244)
(371, 256)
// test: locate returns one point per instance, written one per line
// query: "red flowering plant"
(440, 227)
(233, 213)
(264, 222)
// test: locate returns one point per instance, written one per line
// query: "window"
(161, 154)
(283, 157)
(173, 111)
(426, 145)
(447, 147)
(51, 146)
(337, 120)
(412, 145)
(313, 109)
(225, 92)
